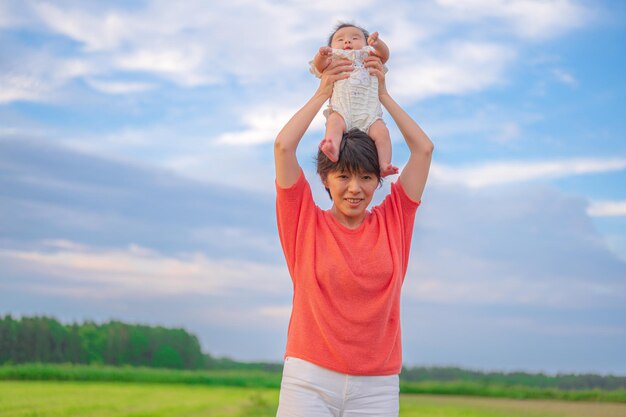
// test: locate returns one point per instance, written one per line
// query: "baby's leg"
(335, 126)
(380, 135)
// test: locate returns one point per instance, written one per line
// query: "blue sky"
(137, 182)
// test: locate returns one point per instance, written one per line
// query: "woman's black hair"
(357, 154)
(342, 25)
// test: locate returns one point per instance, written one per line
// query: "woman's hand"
(337, 70)
(375, 66)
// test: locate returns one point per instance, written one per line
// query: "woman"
(347, 264)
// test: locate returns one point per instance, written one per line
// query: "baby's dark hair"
(342, 25)
(357, 154)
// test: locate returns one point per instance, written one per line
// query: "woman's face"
(351, 194)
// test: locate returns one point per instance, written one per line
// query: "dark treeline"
(560, 381)
(43, 339)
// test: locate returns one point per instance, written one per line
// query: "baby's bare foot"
(330, 150)
(388, 169)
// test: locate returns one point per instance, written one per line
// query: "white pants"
(308, 390)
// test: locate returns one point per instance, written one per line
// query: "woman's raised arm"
(415, 173)
(286, 143)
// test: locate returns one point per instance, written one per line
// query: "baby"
(355, 102)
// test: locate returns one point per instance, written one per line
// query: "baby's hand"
(373, 39)
(323, 58)
(326, 51)
(381, 49)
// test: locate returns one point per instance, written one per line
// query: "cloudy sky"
(136, 172)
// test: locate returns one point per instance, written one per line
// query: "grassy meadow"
(37, 390)
(126, 399)
(256, 378)
(110, 399)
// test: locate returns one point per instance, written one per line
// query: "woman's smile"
(354, 200)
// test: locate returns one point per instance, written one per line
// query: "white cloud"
(528, 18)
(119, 87)
(182, 63)
(262, 125)
(262, 42)
(73, 68)
(193, 151)
(94, 29)
(462, 129)
(459, 68)
(565, 77)
(21, 87)
(403, 34)
(498, 173)
(101, 273)
(192, 44)
(607, 209)
(40, 75)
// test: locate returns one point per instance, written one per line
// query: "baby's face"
(348, 38)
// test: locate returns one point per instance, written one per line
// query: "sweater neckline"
(345, 228)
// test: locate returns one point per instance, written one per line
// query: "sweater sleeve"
(292, 205)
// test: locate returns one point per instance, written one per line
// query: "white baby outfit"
(355, 98)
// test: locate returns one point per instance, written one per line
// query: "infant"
(354, 102)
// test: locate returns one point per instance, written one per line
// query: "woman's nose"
(354, 186)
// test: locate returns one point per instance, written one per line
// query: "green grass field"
(251, 378)
(120, 399)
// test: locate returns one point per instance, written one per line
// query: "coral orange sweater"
(347, 282)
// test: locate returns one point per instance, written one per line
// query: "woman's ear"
(324, 180)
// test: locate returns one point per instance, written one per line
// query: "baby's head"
(348, 36)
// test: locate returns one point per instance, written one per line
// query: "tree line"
(536, 380)
(44, 339)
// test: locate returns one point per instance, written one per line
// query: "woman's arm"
(415, 173)
(286, 144)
